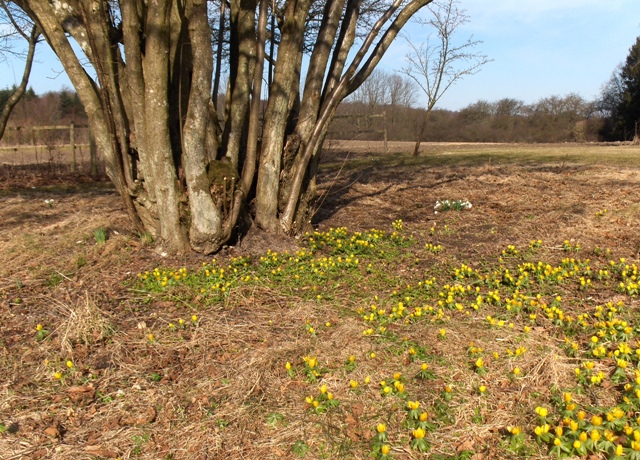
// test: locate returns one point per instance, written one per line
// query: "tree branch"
(20, 90)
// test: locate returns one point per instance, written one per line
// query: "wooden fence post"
(72, 142)
(384, 127)
(93, 160)
(33, 142)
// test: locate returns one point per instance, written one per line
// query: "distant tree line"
(52, 108)
(614, 116)
(553, 119)
(567, 118)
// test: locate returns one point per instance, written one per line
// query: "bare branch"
(20, 90)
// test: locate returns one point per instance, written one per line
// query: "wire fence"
(55, 148)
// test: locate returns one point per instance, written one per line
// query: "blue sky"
(539, 48)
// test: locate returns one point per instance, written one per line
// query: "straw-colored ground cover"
(506, 329)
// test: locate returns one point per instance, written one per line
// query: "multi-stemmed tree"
(144, 70)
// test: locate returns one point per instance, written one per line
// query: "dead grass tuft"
(81, 323)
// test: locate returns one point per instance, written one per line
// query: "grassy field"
(507, 329)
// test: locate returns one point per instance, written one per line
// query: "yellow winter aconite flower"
(413, 405)
(353, 384)
(479, 363)
(288, 366)
(583, 436)
(482, 389)
(617, 412)
(385, 449)
(577, 444)
(596, 420)
(323, 389)
(514, 430)
(541, 411)
(39, 327)
(367, 380)
(58, 375)
(558, 430)
(69, 364)
(424, 416)
(381, 428)
(418, 433)
(594, 435)
(194, 318)
(540, 430)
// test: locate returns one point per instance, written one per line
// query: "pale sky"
(539, 48)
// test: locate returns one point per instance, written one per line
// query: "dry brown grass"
(220, 390)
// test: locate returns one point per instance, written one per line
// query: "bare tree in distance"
(402, 91)
(15, 25)
(439, 62)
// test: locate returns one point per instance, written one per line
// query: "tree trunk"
(162, 174)
(206, 220)
(278, 108)
(421, 133)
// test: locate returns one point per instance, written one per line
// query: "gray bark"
(162, 174)
(278, 108)
(206, 219)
